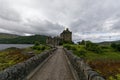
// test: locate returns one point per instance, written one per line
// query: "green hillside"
(7, 36)
(23, 39)
(109, 42)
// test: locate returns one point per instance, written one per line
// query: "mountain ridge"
(6, 38)
(7, 35)
(109, 42)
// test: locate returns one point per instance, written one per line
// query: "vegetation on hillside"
(11, 56)
(24, 40)
(7, 36)
(66, 42)
(109, 42)
(38, 48)
(115, 46)
(105, 59)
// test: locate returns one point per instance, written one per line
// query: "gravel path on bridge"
(55, 69)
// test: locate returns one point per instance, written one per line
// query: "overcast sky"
(96, 20)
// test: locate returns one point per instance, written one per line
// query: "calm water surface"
(4, 46)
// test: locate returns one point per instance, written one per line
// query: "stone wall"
(21, 70)
(84, 71)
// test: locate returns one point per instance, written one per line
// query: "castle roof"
(66, 31)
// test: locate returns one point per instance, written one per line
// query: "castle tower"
(66, 35)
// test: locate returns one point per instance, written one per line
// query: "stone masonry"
(21, 70)
(65, 36)
(84, 71)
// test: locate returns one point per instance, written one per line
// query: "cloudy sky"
(96, 20)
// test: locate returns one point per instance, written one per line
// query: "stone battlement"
(84, 71)
(21, 70)
(65, 36)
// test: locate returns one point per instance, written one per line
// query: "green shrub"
(38, 47)
(115, 46)
(34, 47)
(93, 47)
(67, 46)
(82, 52)
(104, 47)
(43, 48)
(82, 42)
(73, 48)
(37, 43)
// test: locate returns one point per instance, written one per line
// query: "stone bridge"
(55, 64)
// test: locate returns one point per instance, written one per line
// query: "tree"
(113, 45)
(82, 42)
(37, 43)
(82, 52)
(93, 47)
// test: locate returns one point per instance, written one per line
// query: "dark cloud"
(32, 27)
(45, 27)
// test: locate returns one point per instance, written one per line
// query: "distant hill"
(117, 41)
(108, 42)
(7, 36)
(14, 39)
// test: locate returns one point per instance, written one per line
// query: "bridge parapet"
(21, 70)
(84, 71)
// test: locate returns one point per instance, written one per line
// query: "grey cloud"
(81, 16)
(14, 26)
(32, 27)
(94, 14)
(45, 27)
(8, 13)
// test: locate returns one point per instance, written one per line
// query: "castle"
(65, 37)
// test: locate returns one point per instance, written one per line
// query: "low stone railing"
(21, 70)
(84, 71)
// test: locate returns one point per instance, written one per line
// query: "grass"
(107, 54)
(12, 56)
(107, 63)
(108, 69)
(90, 56)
